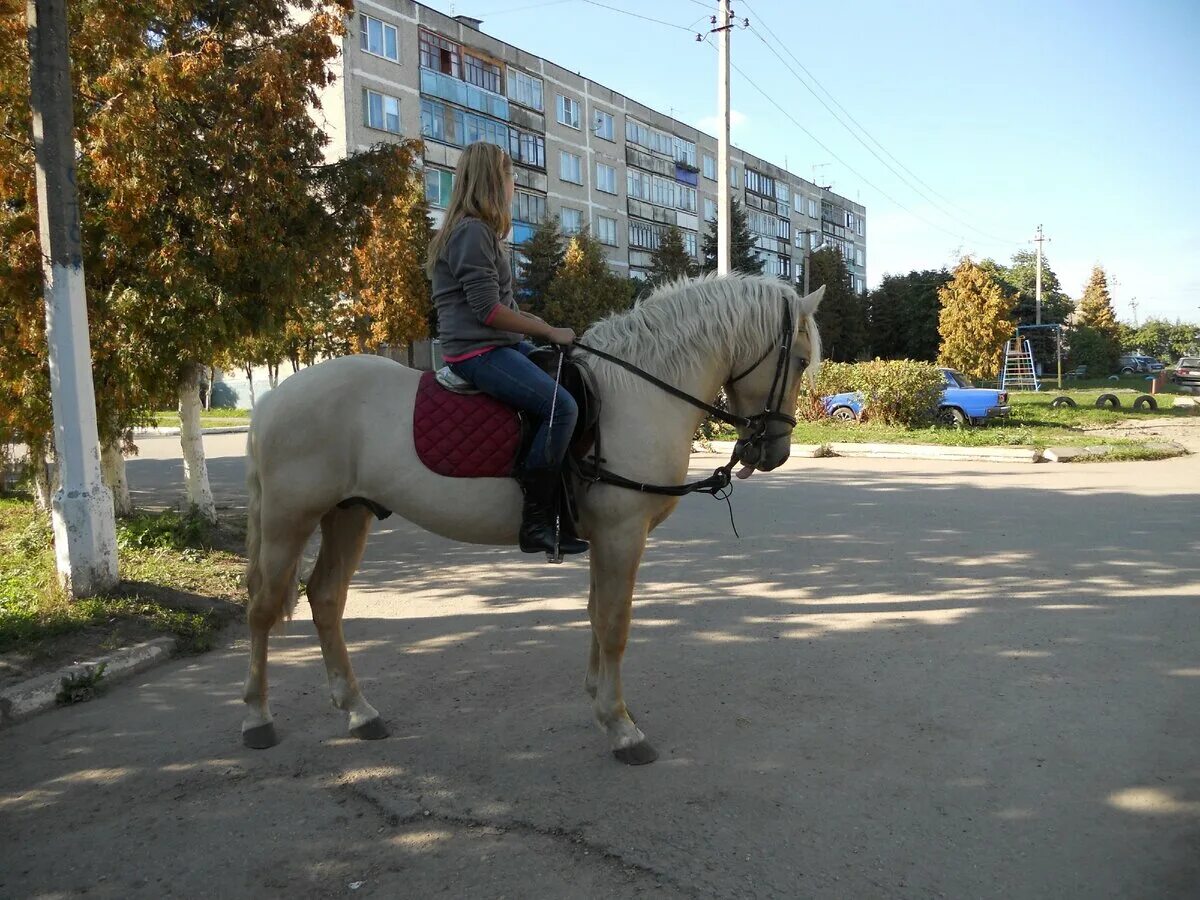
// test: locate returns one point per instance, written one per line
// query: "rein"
(718, 483)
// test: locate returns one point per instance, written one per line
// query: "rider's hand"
(561, 336)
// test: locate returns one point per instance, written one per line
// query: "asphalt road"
(908, 679)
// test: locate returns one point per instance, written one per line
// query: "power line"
(853, 170)
(863, 129)
(636, 15)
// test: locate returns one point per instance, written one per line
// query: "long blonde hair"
(480, 192)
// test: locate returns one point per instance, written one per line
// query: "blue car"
(961, 403)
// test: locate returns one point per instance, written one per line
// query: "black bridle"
(718, 482)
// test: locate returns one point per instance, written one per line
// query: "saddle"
(462, 433)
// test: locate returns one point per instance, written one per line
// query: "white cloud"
(712, 124)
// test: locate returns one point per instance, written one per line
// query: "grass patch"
(163, 559)
(209, 418)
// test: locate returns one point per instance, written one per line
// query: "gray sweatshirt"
(471, 279)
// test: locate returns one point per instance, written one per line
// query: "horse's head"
(765, 387)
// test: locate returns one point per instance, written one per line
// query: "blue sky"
(1083, 116)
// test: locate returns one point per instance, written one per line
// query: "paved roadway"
(909, 679)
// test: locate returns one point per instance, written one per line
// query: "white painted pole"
(724, 211)
(1038, 299)
(84, 532)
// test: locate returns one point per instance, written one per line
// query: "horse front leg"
(614, 565)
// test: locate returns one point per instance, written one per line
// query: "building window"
(438, 185)
(685, 151)
(525, 89)
(571, 220)
(637, 133)
(481, 73)
(528, 208)
(603, 125)
(733, 177)
(568, 111)
(758, 183)
(527, 148)
(439, 54)
(606, 230)
(783, 229)
(644, 235)
(710, 168)
(378, 38)
(860, 226)
(859, 259)
(812, 208)
(435, 84)
(381, 111)
(689, 242)
(685, 198)
(655, 189)
(606, 178)
(450, 125)
(710, 209)
(570, 167)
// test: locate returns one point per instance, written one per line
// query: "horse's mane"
(735, 317)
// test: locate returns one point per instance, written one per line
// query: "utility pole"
(724, 206)
(1133, 305)
(1038, 239)
(85, 543)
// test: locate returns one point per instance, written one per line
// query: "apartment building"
(582, 152)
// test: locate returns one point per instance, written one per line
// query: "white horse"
(343, 429)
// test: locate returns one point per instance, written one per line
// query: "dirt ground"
(908, 679)
(1185, 432)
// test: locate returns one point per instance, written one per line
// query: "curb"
(906, 451)
(172, 432)
(39, 694)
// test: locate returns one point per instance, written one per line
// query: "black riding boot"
(540, 487)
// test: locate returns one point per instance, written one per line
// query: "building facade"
(586, 154)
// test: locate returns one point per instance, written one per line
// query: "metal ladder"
(1019, 371)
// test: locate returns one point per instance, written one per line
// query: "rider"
(482, 329)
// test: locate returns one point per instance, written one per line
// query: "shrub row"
(895, 391)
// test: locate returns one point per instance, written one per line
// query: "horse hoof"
(260, 737)
(374, 730)
(639, 754)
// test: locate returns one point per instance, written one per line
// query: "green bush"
(895, 391)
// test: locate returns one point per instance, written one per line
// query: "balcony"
(446, 87)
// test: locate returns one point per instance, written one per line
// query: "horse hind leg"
(343, 538)
(272, 596)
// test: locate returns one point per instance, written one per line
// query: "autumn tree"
(742, 244)
(392, 292)
(543, 258)
(975, 321)
(841, 317)
(585, 289)
(1096, 338)
(671, 261)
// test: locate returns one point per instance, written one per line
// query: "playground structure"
(1026, 354)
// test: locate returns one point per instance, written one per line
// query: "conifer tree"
(975, 321)
(585, 289)
(544, 254)
(1095, 309)
(841, 317)
(1095, 340)
(742, 257)
(671, 261)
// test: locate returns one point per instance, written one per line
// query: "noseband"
(755, 424)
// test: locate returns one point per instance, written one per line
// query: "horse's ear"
(810, 303)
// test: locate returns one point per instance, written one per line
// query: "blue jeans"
(506, 374)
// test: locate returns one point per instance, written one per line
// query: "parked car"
(1149, 363)
(961, 403)
(1131, 364)
(1187, 371)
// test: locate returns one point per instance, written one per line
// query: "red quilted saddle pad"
(464, 436)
